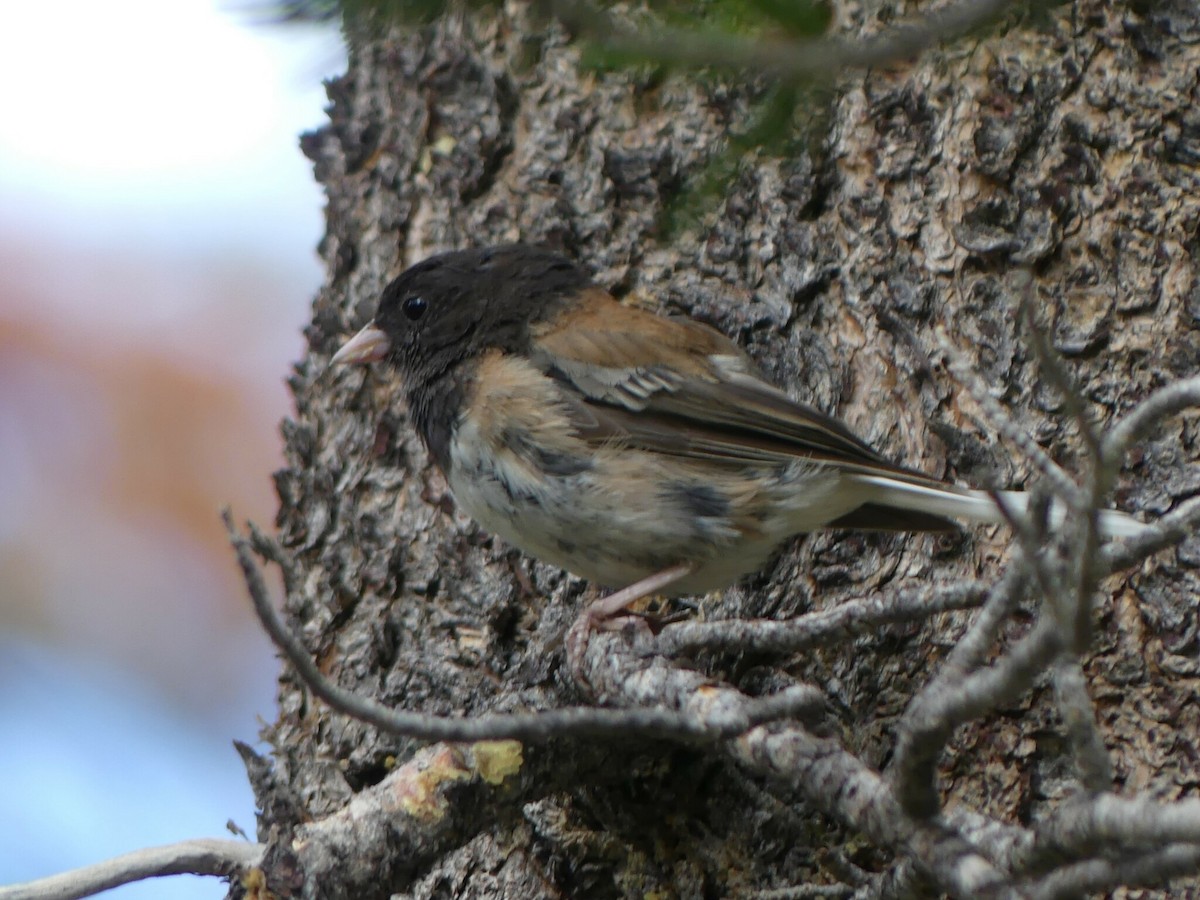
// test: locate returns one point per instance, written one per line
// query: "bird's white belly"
(629, 514)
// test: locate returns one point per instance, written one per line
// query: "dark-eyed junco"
(634, 450)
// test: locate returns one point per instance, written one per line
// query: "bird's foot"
(611, 613)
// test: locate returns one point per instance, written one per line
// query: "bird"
(643, 453)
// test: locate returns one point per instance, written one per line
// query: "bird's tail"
(978, 506)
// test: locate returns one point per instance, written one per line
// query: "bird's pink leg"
(596, 614)
(607, 607)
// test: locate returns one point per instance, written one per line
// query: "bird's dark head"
(456, 305)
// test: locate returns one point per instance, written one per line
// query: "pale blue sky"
(163, 137)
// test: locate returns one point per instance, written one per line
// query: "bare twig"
(1166, 532)
(805, 892)
(1067, 586)
(1107, 821)
(1003, 842)
(621, 673)
(1032, 531)
(1148, 869)
(1053, 369)
(203, 856)
(964, 373)
(945, 704)
(697, 722)
(971, 650)
(821, 768)
(906, 604)
(1070, 597)
(1079, 721)
(841, 784)
(1180, 523)
(911, 772)
(1146, 416)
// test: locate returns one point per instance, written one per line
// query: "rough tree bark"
(1066, 143)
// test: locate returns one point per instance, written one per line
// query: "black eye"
(414, 308)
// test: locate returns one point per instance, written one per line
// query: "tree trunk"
(1066, 145)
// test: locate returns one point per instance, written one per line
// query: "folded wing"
(678, 387)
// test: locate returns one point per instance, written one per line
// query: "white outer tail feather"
(978, 506)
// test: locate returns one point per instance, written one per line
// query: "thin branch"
(1106, 821)
(1079, 722)
(1068, 588)
(1162, 534)
(920, 738)
(1003, 842)
(964, 373)
(804, 892)
(840, 783)
(1052, 367)
(1151, 869)
(972, 648)
(1137, 425)
(909, 603)
(946, 704)
(789, 61)
(1071, 597)
(621, 672)
(203, 856)
(271, 551)
(949, 701)
(1145, 417)
(999, 842)
(697, 723)
(827, 773)
(1031, 530)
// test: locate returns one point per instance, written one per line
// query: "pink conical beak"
(369, 345)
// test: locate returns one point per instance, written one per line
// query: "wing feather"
(679, 387)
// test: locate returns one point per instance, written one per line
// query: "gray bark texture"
(1066, 144)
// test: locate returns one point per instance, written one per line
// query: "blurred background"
(157, 234)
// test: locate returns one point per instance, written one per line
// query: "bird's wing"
(677, 386)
